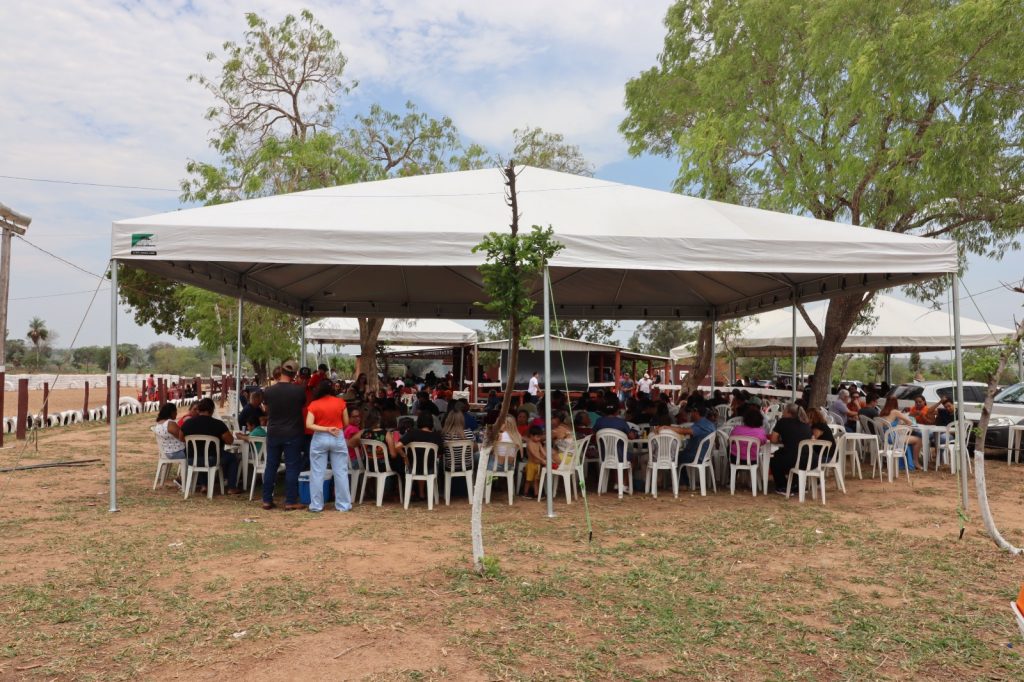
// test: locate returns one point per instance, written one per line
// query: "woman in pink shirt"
(752, 427)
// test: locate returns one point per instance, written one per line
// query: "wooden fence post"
(85, 403)
(22, 408)
(46, 402)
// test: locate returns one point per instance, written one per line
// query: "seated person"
(870, 409)
(752, 427)
(204, 424)
(423, 433)
(252, 410)
(792, 427)
(612, 420)
(702, 426)
(169, 438)
(821, 430)
(921, 413)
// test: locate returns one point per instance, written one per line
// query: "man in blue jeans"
(285, 401)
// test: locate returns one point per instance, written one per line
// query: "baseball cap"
(290, 367)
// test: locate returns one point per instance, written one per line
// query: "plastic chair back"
(742, 447)
(806, 451)
(723, 412)
(258, 451)
(458, 455)
(203, 449)
(504, 457)
(705, 447)
(375, 454)
(608, 443)
(425, 453)
(664, 450)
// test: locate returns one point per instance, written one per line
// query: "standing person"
(327, 417)
(626, 387)
(204, 424)
(533, 391)
(285, 401)
(319, 375)
(792, 427)
(643, 387)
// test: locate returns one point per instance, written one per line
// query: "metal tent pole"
(112, 393)
(792, 395)
(961, 428)
(302, 341)
(713, 329)
(238, 363)
(547, 386)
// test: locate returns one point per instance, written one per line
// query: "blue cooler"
(304, 486)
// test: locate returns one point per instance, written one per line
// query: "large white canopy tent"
(899, 327)
(415, 332)
(403, 248)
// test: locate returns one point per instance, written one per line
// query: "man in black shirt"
(285, 401)
(252, 412)
(204, 424)
(423, 433)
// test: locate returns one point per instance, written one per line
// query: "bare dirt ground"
(874, 585)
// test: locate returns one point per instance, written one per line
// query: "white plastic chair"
(748, 448)
(701, 464)
(896, 451)
(204, 450)
(582, 450)
(609, 443)
(720, 452)
(378, 469)
(723, 412)
(501, 464)
(803, 469)
(664, 456)
(952, 450)
(163, 466)
(458, 462)
(566, 470)
(256, 456)
(837, 465)
(425, 454)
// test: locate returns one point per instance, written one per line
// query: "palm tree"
(37, 334)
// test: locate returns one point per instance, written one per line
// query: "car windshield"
(1013, 394)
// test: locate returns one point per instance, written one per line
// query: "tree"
(659, 337)
(898, 116)
(38, 334)
(513, 263)
(541, 149)
(595, 331)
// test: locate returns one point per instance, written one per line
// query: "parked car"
(997, 436)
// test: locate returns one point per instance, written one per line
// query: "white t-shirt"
(534, 386)
(644, 385)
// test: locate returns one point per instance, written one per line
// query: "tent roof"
(403, 248)
(901, 327)
(410, 332)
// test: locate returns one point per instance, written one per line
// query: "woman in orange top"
(921, 413)
(327, 417)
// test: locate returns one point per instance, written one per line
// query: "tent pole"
(547, 386)
(475, 373)
(462, 368)
(713, 350)
(792, 395)
(238, 363)
(112, 393)
(961, 428)
(888, 368)
(302, 341)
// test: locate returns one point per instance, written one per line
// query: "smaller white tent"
(407, 332)
(901, 327)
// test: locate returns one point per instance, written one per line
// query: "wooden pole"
(618, 371)
(22, 408)
(108, 399)
(85, 403)
(162, 392)
(46, 401)
(3, 391)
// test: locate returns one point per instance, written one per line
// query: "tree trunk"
(259, 367)
(839, 320)
(701, 360)
(366, 361)
(1006, 352)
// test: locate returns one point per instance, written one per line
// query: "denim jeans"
(291, 450)
(322, 447)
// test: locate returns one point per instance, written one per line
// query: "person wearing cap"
(284, 402)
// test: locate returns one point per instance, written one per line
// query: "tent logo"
(143, 244)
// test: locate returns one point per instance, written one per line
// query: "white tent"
(901, 327)
(414, 332)
(403, 248)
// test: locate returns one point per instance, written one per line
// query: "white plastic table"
(927, 430)
(872, 442)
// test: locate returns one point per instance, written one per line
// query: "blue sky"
(107, 102)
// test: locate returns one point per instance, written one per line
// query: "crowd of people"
(313, 421)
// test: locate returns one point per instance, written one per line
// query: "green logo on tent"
(143, 244)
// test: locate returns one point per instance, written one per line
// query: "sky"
(96, 92)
